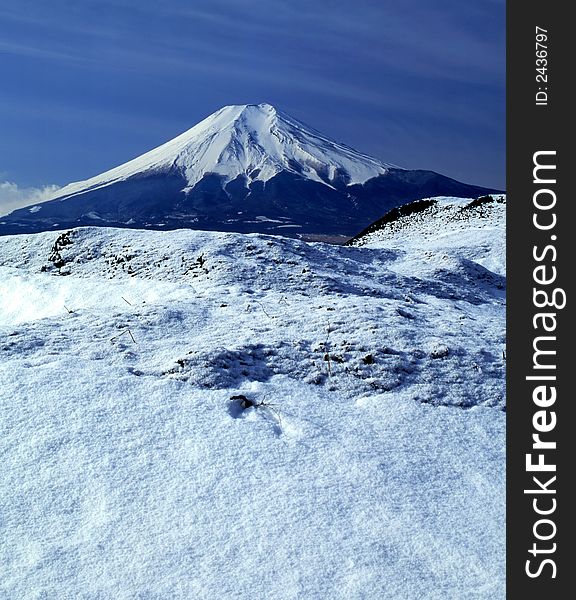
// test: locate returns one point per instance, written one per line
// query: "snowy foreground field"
(371, 464)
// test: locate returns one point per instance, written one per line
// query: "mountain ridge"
(245, 168)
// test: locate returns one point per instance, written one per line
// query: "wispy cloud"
(36, 52)
(12, 196)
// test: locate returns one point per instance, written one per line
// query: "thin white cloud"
(12, 196)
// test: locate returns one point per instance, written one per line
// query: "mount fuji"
(245, 168)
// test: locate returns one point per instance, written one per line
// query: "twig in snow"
(272, 408)
(264, 310)
(247, 403)
(127, 330)
(327, 355)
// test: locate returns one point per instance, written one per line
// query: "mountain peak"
(254, 141)
(235, 112)
(263, 107)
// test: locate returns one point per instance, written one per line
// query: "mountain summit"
(254, 142)
(245, 168)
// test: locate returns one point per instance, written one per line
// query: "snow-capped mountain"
(245, 168)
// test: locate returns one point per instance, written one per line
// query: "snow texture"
(369, 462)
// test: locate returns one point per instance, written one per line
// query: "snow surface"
(468, 229)
(254, 140)
(374, 467)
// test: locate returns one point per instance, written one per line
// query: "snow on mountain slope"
(371, 466)
(246, 168)
(256, 140)
(470, 229)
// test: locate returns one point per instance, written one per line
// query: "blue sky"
(87, 85)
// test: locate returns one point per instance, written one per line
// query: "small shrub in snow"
(56, 257)
(243, 402)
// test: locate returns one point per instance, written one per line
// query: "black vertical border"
(532, 128)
